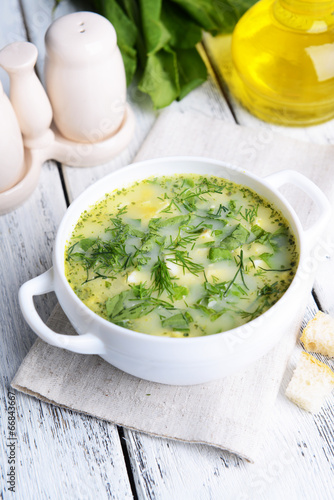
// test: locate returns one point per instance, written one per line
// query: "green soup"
(181, 256)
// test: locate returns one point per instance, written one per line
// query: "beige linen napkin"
(231, 413)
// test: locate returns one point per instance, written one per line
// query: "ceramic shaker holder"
(82, 120)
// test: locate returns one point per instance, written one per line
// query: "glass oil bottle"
(283, 56)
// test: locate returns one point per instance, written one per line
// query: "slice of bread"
(311, 382)
(318, 335)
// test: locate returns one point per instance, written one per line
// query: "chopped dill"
(184, 261)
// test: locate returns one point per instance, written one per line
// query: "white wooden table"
(63, 455)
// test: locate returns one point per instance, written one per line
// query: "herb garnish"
(181, 258)
(240, 270)
(162, 280)
(187, 266)
(127, 306)
(250, 214)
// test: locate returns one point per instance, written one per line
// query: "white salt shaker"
(85, 77)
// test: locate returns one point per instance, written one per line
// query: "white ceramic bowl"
(182, 361)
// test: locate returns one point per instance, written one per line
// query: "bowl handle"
(84, 344)
(282, 177)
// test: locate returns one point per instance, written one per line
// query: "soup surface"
(181, 256)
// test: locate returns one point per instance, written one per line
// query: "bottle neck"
(309, 7)
(312, 16)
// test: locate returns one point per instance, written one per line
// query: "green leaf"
(266, 258)
(203, 12)
(232, 205)
(86, 243)
(192, 70)
(179, 321)
(175, 20)
(151, 27)
(217, 254)
(148, 245)
(172, 221)
(126, 32)
(140, 291)
(135, 312)
(132, 9)
(214, 289)
(160, 79)
(258, 231)
(215, 17)
(261, 236)
(155, 33)
(115, 304)
(129, 56)
(160, 240)
(218, 314)
(237, 238)
(279, 239)
(208, 244)
(179, 292)
(206, 310)
(189, 182)
(133, 231)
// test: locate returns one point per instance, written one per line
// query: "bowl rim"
(59, 250)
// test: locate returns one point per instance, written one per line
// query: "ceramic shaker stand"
(82, 120)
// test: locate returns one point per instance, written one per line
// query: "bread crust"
(311, 382)
(318, 335)
(325, 369)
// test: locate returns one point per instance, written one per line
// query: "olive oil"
(283, 56)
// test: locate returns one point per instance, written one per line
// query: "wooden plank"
(47, 436)
(46, 466)
(165, 469)
(295, 461)
(11, 30)
(38, 15)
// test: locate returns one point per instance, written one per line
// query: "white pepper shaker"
(85, 77)
(12, 166)
(27, 95)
